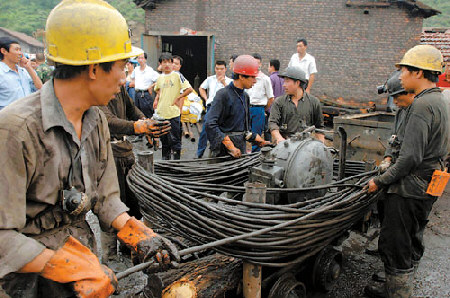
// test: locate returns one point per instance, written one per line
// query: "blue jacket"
(229, 113)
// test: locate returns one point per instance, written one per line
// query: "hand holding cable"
(146, 244)
(75, 263)
(152, 127)
(233, 151)
(260, 141)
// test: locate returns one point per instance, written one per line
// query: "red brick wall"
(354, 51)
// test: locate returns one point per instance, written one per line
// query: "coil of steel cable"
(184, 198)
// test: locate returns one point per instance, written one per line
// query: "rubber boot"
(376, 290)
(177, 155)
(399, 285)
(109, 245)
(372, 251)
(165, 153)
(379, 276)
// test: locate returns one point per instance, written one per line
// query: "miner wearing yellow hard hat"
(418, 176)
(57, 164)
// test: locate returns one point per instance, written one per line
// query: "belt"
(234, 133)
(137, 90)
(257, 106)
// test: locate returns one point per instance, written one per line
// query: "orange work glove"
(260, 141)
(233, 151)
(146, 244)
(75, 263)
(152, 127)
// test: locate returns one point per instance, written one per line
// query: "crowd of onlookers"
(161, 93)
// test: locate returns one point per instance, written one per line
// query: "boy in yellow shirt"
(167, 105)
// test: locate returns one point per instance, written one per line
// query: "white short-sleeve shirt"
(261, 91)
(213, 85)
(144, 79)
(307, 64)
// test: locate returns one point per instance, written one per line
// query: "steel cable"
(185, 198)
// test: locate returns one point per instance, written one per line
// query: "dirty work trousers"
(258, 118)
(401, 237)
(123, 166)
(31, 285)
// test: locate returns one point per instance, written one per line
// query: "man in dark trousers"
(410, 195)
(57, 164)
(403, 101)
(228, 124)
(143, 80)
(124, 119)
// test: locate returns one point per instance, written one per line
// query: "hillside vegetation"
(442, 20)
(29, 15)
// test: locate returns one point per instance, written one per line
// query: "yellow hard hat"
(424, 57)
(83, 32)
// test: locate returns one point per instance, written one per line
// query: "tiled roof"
(23, 37)
(438, 37)
(416, 8)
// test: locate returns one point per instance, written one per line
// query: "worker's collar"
(53, 114)
(301, 99)
(429, 90)
(238, 90)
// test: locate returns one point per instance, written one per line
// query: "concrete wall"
(354, 51)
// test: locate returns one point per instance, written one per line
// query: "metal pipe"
(342, 152)
(145, 159)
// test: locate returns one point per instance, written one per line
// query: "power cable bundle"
(185, 198)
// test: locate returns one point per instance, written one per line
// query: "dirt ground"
(432, 278)
(433, 275)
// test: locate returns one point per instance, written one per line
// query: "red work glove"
(75, 263)
(152, 127)
(146, 244)
(233, 151)
(260, 141)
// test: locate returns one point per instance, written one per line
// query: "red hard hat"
(246, 65)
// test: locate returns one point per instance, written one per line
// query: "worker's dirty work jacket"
(37, 142)
(290, 119)
(121, 114)
(229, 115)
(423, 149)
(398, 134)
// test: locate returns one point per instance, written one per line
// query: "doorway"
(193, 50)
(197, 52)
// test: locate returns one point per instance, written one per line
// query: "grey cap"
(394, 85)
(294, 72)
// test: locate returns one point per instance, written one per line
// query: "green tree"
(27, 16)
(441, 20)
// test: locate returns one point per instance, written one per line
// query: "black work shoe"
(166, 155)
(375, 291)
(176, 155)
(379, 276)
